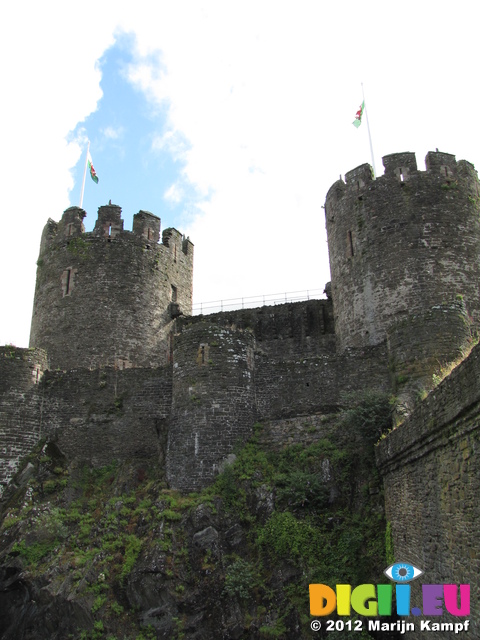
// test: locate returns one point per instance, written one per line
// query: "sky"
(229, 120)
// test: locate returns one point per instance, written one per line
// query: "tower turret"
(109, 297)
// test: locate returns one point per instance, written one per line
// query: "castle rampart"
(430, 470)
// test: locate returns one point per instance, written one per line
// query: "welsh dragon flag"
(93, 173)
(358, 116)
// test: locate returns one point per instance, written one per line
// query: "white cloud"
(112, 133)
(174, 193)
(173, 142)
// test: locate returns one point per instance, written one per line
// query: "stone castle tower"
(405, 261)
(108, 298)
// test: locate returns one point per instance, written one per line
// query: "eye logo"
(377, 600)
(402, 572)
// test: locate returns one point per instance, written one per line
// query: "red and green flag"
(358, 116)
(93, 173)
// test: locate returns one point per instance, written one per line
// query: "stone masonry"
(118, 369)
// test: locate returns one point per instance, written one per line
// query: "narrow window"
(445, 169)
(350, 244)
(202, 354)
(170, 348)
(174, 252)
(174, 293)
(68, 281)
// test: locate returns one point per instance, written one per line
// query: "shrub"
(239, 580)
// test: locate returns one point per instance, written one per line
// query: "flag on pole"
(358, 116)
(93, 173)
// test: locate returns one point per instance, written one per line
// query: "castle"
(118, 368)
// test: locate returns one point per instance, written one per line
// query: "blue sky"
(228, 120)
(124, 132)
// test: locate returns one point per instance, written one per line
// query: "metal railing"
(251, 302)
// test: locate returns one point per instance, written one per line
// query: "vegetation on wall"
(246, 549)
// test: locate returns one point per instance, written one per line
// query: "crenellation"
(109, 223)
(20, 368)
(400, 165)
(440, 163)
(358, 178)
(187, 246)
(147, 226)
(48, 235)
(334, 194)
(71, 225)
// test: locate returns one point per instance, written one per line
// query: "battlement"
(441, 168)
(400, 165)
(146, 226)
(360, 177)
(110, 225)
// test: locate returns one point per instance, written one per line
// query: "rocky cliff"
(111, 553)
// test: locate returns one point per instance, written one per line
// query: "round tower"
(213, 406)
(109, 297)
(402, 244)
(404, 259)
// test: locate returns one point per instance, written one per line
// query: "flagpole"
(369, 135)
(85, 173)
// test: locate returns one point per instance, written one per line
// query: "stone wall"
(285, 330)
(96, 417)
(21, 406)
(430, 469)
(308, 384)
(301, 430)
